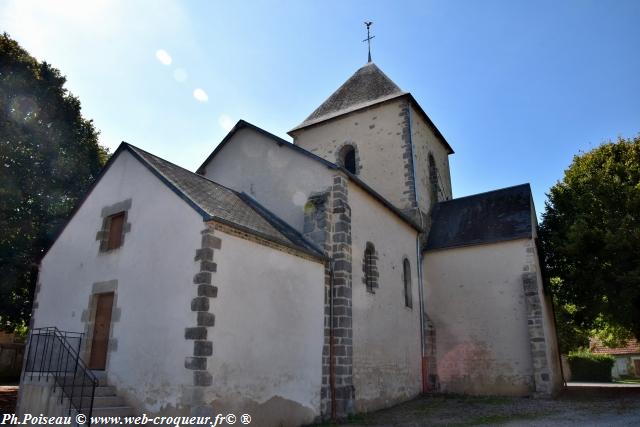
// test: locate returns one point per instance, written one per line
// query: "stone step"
(106, 401)
(105, 390)
(77, 380)
(101, 391)
(101, 376)
(101, 402)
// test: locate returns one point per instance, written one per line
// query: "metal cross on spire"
(369, 37)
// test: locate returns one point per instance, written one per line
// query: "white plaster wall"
(154, 269)
(37, 396)
(475, 298)
(386, 334)
(268, 334)
(425, 141)
(278, 177)
(377, 134)
(620, 366)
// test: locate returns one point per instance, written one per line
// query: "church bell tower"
(379, 133)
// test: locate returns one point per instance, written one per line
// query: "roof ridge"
(485, 193)
(180, 167)
(241, 124)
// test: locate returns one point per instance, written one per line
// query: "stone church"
(299, 281)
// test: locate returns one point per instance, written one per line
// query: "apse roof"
(495, 216)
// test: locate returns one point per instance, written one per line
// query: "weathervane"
(369, 37)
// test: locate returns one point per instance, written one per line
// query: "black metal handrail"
(50, 352)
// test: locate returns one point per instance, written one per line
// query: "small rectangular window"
(116, 223)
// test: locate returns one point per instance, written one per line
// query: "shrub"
(590, 367)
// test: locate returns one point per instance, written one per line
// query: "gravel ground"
(464, 411)
(475, 411)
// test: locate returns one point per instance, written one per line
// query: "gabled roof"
(283, 143)
(490, 217)
(216, 202)
(367, 86)
(242, 125)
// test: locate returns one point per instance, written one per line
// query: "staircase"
(53, 354)
(106, 403)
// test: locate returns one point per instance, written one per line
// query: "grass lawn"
(628, 381)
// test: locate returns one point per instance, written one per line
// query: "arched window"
(406, 278)
(350, 160)
(370, 267)
(433, 179)
(347, 158)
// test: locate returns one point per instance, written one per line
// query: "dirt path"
(475, 411)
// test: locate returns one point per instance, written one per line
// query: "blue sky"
(516, 87)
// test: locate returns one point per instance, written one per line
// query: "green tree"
(49, 156)
(590, 236)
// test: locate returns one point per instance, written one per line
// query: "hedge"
(590, 367)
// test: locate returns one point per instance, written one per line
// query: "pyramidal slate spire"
(367, 86)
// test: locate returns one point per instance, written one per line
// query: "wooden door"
(636, 365)
(101, 329)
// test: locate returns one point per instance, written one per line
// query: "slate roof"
(367, 86)
(490, 217)
(216, 202)
(632, 347)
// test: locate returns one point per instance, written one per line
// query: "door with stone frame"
(101, 331)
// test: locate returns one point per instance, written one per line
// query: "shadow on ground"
(462, 411)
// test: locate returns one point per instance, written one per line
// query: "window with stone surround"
(406, 279)
(114, 233)
(114, 226)
(370, 268)
(347, 158)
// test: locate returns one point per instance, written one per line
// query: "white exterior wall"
(278, 177)
(620, 366)
(624, 365)
(475, 298)
(425, 141)
(154, 269)
(376, 133)
(268, 334)
(386, 334)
